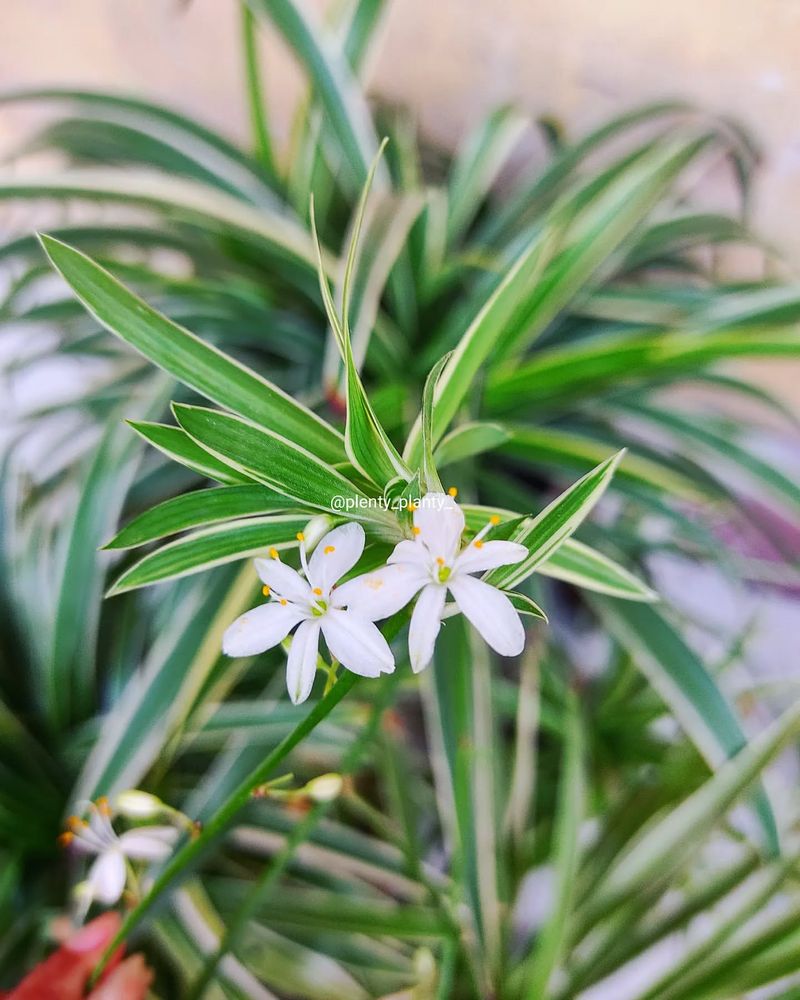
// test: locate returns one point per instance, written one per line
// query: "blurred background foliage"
(529, 829)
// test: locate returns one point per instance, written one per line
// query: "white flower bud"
(325, 788)
(135, 804)
(315, 529)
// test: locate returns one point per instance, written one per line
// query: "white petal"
(381, 593)
(491, 612)
(260, 629)
(284, 580)
(489, 555)
(301, 667)
(426, 621)
(357, 643)
(100, 825)
(411, 552)
(107, 877)
(336, 554)
(149, 843)
(441, 523)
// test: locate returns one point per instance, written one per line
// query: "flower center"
(318, 608)
(444, 574)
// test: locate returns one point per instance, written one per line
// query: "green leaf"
(215, 546)
(565, 374)
(428, 474)
(225, 815)
(665, 845)
(158, 697)
(278, 463)
(368, 445)
(205, 146)
(572, 791)
(185, 356)
(526, 606)
(470, 439)
(193, 510)
(478, 164)
(348, 121)
(543, 534)
(686, 687)
(563, 449)
(481, 338)
(176, 443)
(576, 563)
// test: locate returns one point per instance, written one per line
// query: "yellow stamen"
(265, 590)
(102, 806)
(416, 530)
(328, 549)
(66, 838)
(273, 554)
(75, 823)
(478, 543)
(317, 591)
(284, 602)
(440, 561)
(300, 536)
(494, 519)
(453, 491)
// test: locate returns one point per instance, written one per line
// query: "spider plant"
(536, 828)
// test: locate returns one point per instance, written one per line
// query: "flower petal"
(260, 628)
(381, 593)
(441, 523)
(489, 555)
(149, 843)
(301, 666)
(411, 552)
(284, 580)
(107, 877)
(336, 554)
(491, 612)
(426, 621)
(357, 643)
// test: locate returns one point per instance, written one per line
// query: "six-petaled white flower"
(433, 563)
(315, 606)
(108, 873)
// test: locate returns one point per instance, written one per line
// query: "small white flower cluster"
(430, 564)
(110, 872)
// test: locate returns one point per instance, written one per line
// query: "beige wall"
(451, 60)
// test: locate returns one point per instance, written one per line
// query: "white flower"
(433, 563)
(315, 606)
(109, 872)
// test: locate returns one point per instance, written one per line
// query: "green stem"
(226, 813)
(255, 93)
(299, 835)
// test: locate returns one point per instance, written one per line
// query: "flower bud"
(315, 529)
(135, 804)
(325, 788)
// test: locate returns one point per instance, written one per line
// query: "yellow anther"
(439, 561)
(412, 505)
(453, 491)
(284, 602)
(416, 530)
(75, 823)
(494, 519)
(273, 554)
(66, 838)
(300, 536)
(317, 591)
(328, 549)
(265, 590)
(478, 543)
(102, 806)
